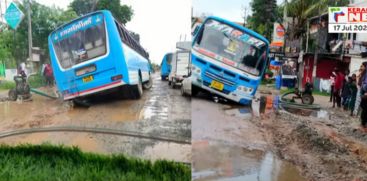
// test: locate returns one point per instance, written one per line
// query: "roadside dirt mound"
(355, 132)
(313, 148)
(309, 138)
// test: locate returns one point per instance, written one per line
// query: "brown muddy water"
(212, 161)
(227, 145)
(161, 112)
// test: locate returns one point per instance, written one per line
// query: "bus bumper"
(237, 96)
(93, 90)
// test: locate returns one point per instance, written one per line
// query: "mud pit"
(228, 145)
(315, 145)
(160, 112)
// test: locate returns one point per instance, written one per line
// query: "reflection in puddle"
(269, 103)
(169, 151)
(263, 105)
(323, 114)
(224, 162)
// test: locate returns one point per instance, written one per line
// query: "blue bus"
(95, 53)
(166, 65)
(228, 60)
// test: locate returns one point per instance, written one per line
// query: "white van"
(180, 68)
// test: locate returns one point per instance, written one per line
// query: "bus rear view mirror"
(197, 28)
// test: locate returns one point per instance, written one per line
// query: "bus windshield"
(232, 47)
(80, 41)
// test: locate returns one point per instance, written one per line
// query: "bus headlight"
(245, 89)
(196, 69)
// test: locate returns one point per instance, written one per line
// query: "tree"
(44, 21)
(82, 7)
(263, 16)
(301, 10)
(5, 49)
(122, 13)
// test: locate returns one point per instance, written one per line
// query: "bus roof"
(104, 12)
(253, 33)
(79, 18)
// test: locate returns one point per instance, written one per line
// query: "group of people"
(350, 92)
(46, 71)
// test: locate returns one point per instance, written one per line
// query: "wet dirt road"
(271, 141)
(161, 112)
(268, 141)
(227, 145)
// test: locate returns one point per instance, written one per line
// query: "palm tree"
(302, 10)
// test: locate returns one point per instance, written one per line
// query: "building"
(325, 51)
(357, 43)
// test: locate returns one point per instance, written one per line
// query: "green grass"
(267, 81)
(47, 162)
(315, 92)
(36, 81)
(6, 85)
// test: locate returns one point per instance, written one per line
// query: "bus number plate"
(87, 79)
(217, 85)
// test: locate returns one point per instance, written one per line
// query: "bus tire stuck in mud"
(147, 85)
(136, 91)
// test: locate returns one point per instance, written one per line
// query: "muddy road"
(161, 112)
(265, 142)
(227, 145)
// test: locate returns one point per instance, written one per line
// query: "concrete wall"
(9, 74)
(355, 63)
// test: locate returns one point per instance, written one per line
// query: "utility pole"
(285, 24)
(30, 43)
(244, 8)
(1, 12)
(317, 47)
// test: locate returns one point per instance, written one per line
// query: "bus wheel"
(183, 91)
(173, 84)
(137, 90)
(12, 95)
(149, 84)
(194, 90)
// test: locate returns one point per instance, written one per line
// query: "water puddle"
(84, 141)
(168, 151)
(265, 104)
(323, 114)
(225, 162)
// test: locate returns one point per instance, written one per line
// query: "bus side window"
(94, 43)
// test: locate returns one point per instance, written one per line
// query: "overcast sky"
(160, 23)
(228, 9)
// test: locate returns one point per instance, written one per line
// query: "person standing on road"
(360, 74)
(49, 75)
(347, 93)
(332, 83)
(22, 70)
(353, 96)
(339, 80)
(364, 96)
